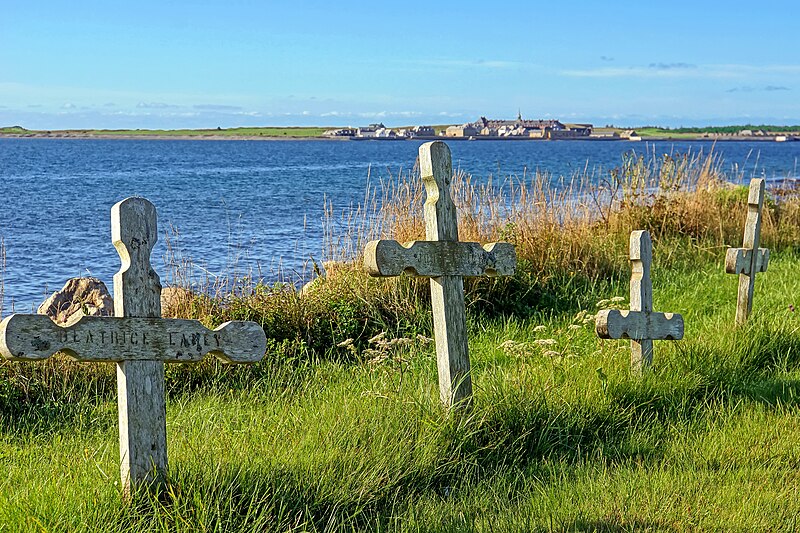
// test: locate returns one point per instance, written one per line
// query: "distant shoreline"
(203, 137)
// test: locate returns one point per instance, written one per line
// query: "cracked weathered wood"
(141, 398)
(640, 324)
(750, 259)
(443, 258)
(446, 261)
(139, 340)
(96, 339)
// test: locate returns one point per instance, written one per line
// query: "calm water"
(248, 205)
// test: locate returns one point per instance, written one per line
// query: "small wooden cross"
(640, 324)
(138, 340)
(750, 259)
(445, 261)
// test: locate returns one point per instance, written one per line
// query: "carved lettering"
(144, 338)
(184, 341)
(102, 337)
(217, 338)
(89, 337)
(134, 337)
(171, 342)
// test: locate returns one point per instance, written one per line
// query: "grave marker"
(750, 259)
(640, 324)
(445, 261)
(138, 340)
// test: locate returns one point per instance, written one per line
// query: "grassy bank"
(340, 429)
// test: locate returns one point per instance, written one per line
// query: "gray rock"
(78, 297)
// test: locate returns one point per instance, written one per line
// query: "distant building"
(423, 131)
(369, 131)
(341, 132)
(384, 133)
(464, 130)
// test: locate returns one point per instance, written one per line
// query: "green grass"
(289, 132)
(557, 441)
(14, 130)
(294, 132)
(693, 133)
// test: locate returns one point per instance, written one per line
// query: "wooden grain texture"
(36, 337)
(640, 324)
(447, 292)
(641, 295)
(140, 384)
(443, 258)
(748, 260)
(616, 324)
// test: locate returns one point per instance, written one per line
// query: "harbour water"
(238, 207)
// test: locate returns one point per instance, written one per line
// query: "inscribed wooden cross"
(640, 324)
(749, 259)
(445, 261)
(138, 340)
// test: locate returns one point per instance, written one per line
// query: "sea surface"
(251, 207)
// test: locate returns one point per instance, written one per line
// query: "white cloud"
(682, 70)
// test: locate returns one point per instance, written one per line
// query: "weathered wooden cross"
(445, 261)
(749, 259)
(640, 324)
(138, 340)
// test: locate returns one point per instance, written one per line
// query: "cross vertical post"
(641, 255)
(749, 259)
(447, 292)
(140, 384)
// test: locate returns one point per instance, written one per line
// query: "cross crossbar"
(748, 260)
(36, 337)
(439, 258)
(621, 324)
(740, 261)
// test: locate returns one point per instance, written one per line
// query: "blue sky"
(157, 64)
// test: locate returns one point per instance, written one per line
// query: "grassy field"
(340, 428)
(289, 132)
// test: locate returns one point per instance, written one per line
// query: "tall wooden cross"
(445, 261)
(749, 259)
(640, 324)
(138, 340)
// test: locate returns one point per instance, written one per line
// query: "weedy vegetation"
(339, 428)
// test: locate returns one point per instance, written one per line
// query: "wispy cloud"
(489, 64)
(751, 89)
(217, 107)
(606, 58)
(682, 70)
(670, 66)
(156, 105)
(373, 114)
(69, 105)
